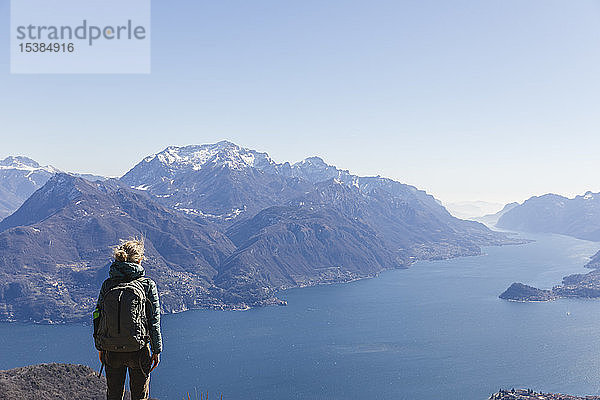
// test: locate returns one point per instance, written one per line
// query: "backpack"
(120, 322)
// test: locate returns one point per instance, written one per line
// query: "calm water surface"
(436, 330)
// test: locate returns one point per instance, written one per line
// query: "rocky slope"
(55, 250)
(302, 246)
(53, 382)
(578, 217)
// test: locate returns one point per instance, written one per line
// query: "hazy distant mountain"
(90, 177)
(492, 219)
(472, 209)
(578, 217)
(595, 261)
(19, 178)
(409, 221)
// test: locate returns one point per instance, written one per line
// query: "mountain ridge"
(226, 227)
(578, 217)
(51, 267)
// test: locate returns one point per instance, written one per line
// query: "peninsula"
(576, 285)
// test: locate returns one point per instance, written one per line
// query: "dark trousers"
(138, 364)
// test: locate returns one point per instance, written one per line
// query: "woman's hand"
(155, 361)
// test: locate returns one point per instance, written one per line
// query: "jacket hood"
(126, 270)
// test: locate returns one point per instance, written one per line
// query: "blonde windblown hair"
(131, 250)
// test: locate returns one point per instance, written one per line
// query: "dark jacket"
(129, 271)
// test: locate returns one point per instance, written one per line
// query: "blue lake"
(436, 330)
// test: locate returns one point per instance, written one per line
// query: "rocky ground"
(53, 382)
(528, 394)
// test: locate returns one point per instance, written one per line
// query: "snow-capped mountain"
(314, 169)
(224, 181)
(19, 178)
(196, 157)
(229, 183)
(220, 181)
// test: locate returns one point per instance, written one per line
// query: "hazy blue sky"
(494, 100)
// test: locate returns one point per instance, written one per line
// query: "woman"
(126, 319)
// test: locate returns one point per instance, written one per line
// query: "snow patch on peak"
(141, 187)
(248, 158)
(224, 153)
(19, 161)
(22, 163)
(314, 169)
(314, 161)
